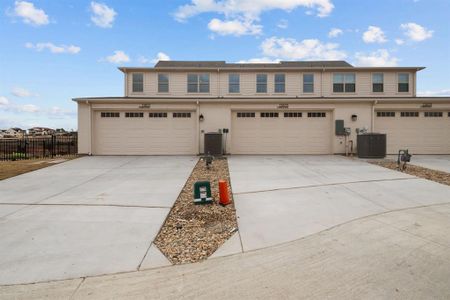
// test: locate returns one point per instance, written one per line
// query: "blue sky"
(54, 50)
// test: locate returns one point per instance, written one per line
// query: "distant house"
(40, 131)
(13, 132)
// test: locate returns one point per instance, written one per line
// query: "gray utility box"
(371, 145)
(213, 143)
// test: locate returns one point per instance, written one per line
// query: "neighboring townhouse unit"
(37, 131)
(270, 108)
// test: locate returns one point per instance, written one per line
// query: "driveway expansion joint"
(323, 185)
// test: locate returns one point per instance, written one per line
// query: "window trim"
(198, 83)
(279, 84)
(133, 83)
(238, 84)
(398, 83)
(373, 83)
(168, 84)
(259, 84)
(303, 81)
(344, 83)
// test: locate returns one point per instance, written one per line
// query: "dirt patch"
(438, 176)
(13, 168)
(192, 232)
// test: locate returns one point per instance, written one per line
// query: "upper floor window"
(198, 83)
(403, 82)
(163, 83)
(377, 82)
(308, 83)
(138, 82)
(280, 83)
(233, 83)
(261, 83)
(344, 83)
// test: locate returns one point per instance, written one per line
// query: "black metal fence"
(38, 147)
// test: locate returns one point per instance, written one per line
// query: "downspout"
(91, 128)
(218, 83)
(198, 126)
(321, 82)
(373, 116)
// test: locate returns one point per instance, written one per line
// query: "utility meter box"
(202, 192)
(339, 127)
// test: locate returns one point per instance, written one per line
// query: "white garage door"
(420, 132)
(293, 132)
(144, 133)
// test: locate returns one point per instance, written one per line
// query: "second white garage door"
(420, 132)
(293, 132)
(144, 133)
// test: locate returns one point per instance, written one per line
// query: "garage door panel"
(420, 135)
(296, 135)
(144, 136)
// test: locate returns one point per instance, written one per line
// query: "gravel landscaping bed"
(192, 232)
(438, 176)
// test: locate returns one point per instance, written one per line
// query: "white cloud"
(241, 16)
(102, 15)
(30, 14)
(310, 49)
(3, 101)
(117, 58)
(251, 9)
(399, 41)
(30, 108)
(379, 58)
(445, 92)
(22, 92)
(283, 24)
(160, 56)
(335, 32)
(234, 27)
(374, 34)
(261, 60)
(71, 49)
(416, 32)
(58, 112)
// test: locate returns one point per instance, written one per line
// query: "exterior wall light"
(201, 118)
(354, 118)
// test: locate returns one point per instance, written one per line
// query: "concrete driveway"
(283, 198)
(85, 217)
(434, 162)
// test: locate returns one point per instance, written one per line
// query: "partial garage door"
(144, 133)
(291, 132)
(420, 132)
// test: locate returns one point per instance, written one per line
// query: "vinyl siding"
(323, 85)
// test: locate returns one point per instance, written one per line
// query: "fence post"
(53, 145)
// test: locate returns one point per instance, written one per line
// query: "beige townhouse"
(271, 108)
